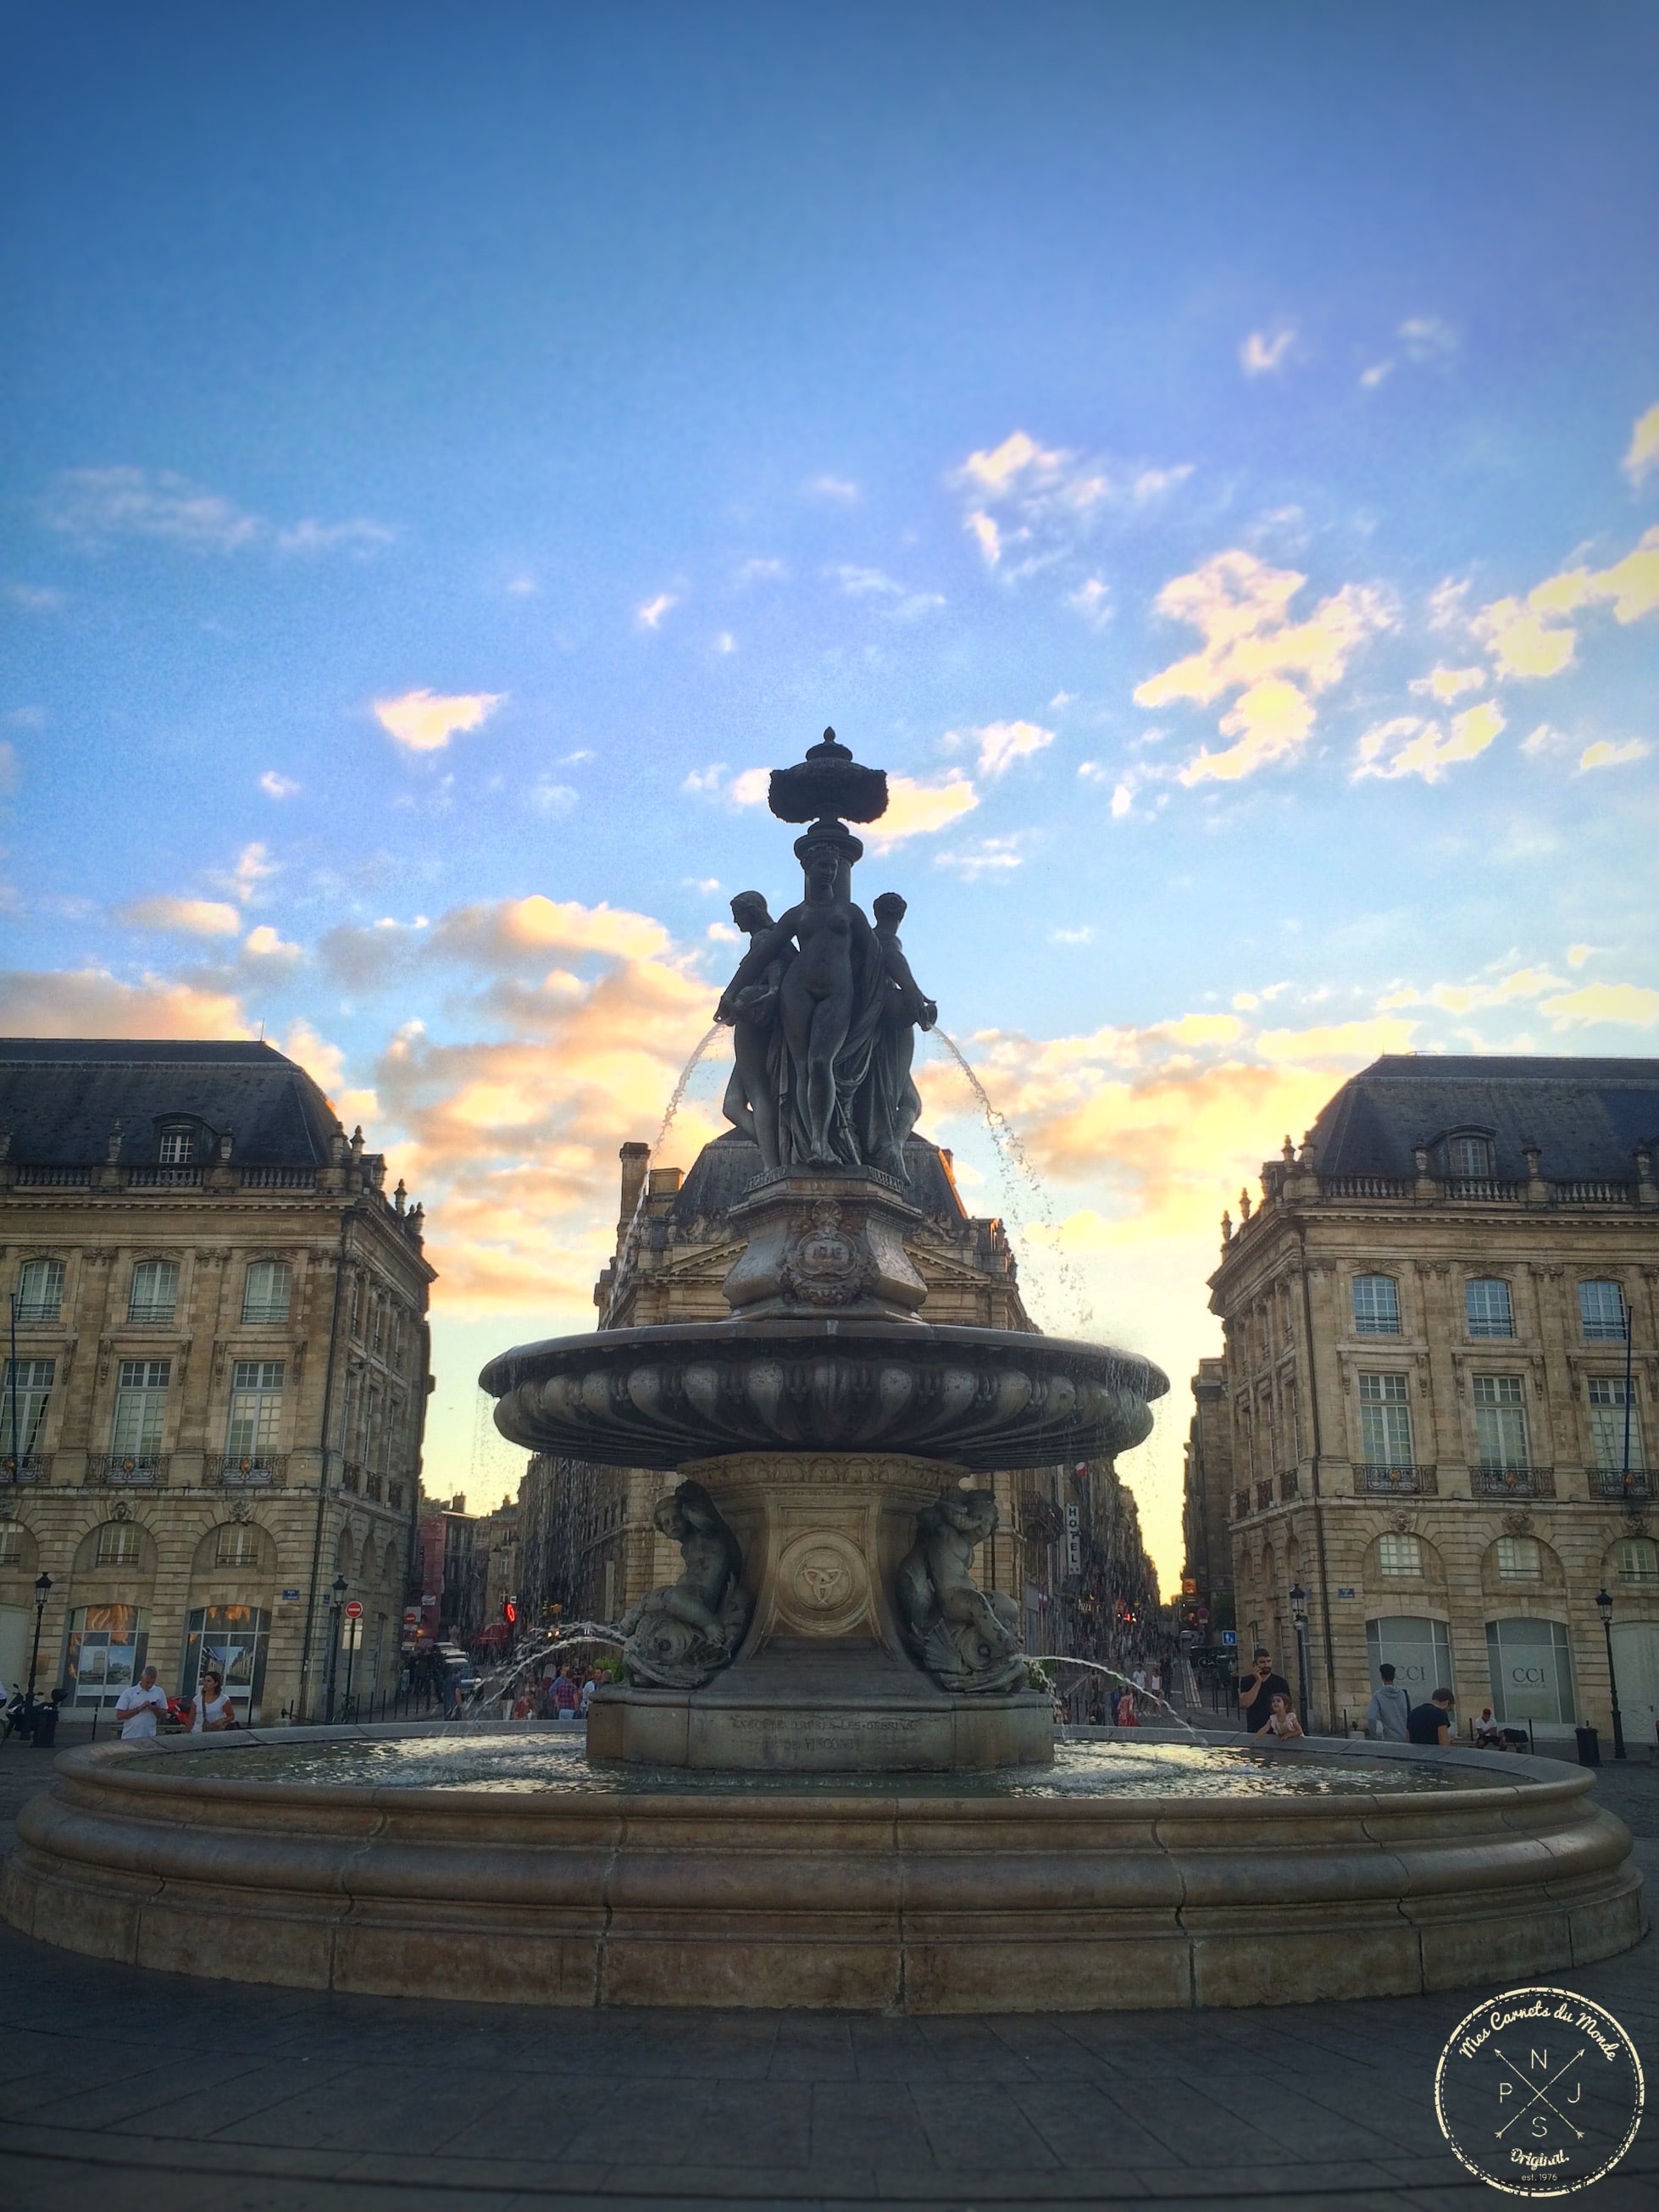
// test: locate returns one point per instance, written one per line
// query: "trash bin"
(45, 1731)
(1589, 1751)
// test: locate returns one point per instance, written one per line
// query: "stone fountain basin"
(979, 1398)
(880, 1899)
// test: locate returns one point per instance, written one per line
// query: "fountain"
(826, 1779)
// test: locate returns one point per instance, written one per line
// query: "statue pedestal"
(823, 1683)
(824, 1241)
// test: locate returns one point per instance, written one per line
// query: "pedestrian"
(1257, 1690)
(566, 1695)
(1127, 1714)
(524, 1705)
(211, 1709)
(1281, 1717)
(1431, 1723)
(139, 1705)
(1387, 1713)
(589, 1689)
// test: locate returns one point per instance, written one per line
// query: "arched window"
(1398, 1555)
(1637, 1559)
(154, 1290)
(1470, 1155)
(1519, 1559)
(238, 1545)
(1602, 1312)
(120, 1544)
(1487, 1302)
(39, 1292)
(178, 1145)
(267, 1292)
(1376, 1305)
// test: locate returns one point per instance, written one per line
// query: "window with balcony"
(1385, 1421)
(1398, 1556)
(1615, 1426)
(39, 1292)
(1468, 1156)
(1376, 1305)
(256, 1406)
(1519, 1559)
(177, 1147)
(154, 1292)
(1486, 1302)
(1602, 1312)
(120, 1544)
(1500, 1421)
(141, 1400)
(1636, 1559)
(24, 1406)
(267, 1292)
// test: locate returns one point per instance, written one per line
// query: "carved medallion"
(823, 1584)
(825, 1265)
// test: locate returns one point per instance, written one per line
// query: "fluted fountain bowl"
(978, 1398)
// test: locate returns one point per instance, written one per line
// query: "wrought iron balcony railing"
(28, 1467)
(1390, 1480)
(128, 1470)
(248, 1470)
(1614, 1485)
(1512, 1481)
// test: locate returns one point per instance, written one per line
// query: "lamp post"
(42, 1592)
(1299, 1615)
(339, 1591)
(1604, 1607)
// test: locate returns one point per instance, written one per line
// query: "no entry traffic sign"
(354, 1608)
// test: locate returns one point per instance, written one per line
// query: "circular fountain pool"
(500, 1864)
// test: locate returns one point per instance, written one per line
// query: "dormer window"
(178, 1145)
(1470, 1155)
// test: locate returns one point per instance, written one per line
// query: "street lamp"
(1604, 1607)
(340, 1586)
(1299, 1615)
(42, 1592)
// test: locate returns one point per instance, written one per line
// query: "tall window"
(1609, 1402)
(1519, 1559)
(1486, 1301)
(1398, 1555)
(141, 1400)
(1376, 1305)
(11, 1545)
(1500, 1421)
(267, 1290)
(32, 1379)
(238, 1545)
(1531, 1671)
(39, 1292)
(154, 1290)
(1601, 1311)
(177, 1147)
(120, 1544)
(256, 1405)
(1636, 1559)
(1470, 1155)
(1385, 1421)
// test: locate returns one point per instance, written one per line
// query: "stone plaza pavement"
(124, 2091)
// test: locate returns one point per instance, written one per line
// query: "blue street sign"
(1230, 1635)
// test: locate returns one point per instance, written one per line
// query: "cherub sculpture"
(967, 1638)
(681, 1634)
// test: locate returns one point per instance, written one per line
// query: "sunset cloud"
(1604, 753)
(915, 809)
(1038, 503)
(1644, 453)
(1536, 637)
(1633, 1004)
(999, 744)
(1409, 746)
(90, 1002)
(424, 721)
(183, 917)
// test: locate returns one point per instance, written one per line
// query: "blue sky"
(1210, 457)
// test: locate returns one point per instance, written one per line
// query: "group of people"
(144, 1705)
(564, 1697)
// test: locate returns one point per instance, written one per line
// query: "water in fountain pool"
(535, 1765)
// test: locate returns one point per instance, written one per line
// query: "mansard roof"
(1585, 1116)
(60, 1097)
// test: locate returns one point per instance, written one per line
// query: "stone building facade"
(1442, 1329)
(214, 1409)
(1069, 1548)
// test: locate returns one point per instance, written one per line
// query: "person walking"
(140, 1706)
(590, 1689)
(1257, 1690)
(566, 1695)
(1387, 1714)
(1431, 1723)
(212, 1710)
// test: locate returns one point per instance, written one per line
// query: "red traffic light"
(509, 1610)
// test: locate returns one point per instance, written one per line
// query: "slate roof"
(1586, 1116)
(61, 1096)
(724, 1170)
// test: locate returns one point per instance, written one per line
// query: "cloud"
(1423, 340)
(1605, 754)
(96, 505)
(649, 617)
(183, 917)
(751, 787)
(1262, 352)
(985, 534)
(424, 721)
(1409, 746)
(830, 487)
(1644, 452)
(919, 810)
(1093, 601)
(90, 1002)
(873, 583)
(987, 856)
(274, 785)
(35, 598)
(1001, 744)
(1448, 684)
(552, 799)
(748, 787)
(508, 931)
(1084, 935)
(1535, 636)
(1578, 954)
(1631, 1004)
(1040, 503)
(760, 571)
(1522, 987)
(264, 943)
(1241, 608)
(254, 867)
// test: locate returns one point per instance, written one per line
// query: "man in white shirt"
(140, 1706)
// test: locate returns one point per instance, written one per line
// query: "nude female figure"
(751, 1097)
(819, 991)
